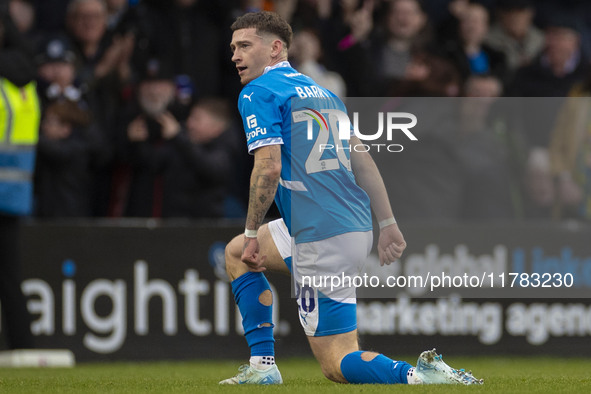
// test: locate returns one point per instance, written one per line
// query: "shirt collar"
(280, 64)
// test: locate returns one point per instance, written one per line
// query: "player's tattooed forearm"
(263, 185)
(265, 182)
(270, 161)
(262, 191)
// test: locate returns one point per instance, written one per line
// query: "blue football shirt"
(317, 194)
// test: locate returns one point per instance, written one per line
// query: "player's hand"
(251, 256)
(391, 244)
(170, 126)
(137, 131)
(362, 21)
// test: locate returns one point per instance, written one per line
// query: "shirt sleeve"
(261, 116)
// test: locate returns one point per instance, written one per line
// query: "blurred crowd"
(138, 100)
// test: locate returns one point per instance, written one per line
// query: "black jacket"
(62, 177)
(16, 54)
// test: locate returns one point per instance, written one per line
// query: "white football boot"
(249, 375)
(431, 369)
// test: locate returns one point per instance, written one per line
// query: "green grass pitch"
(501, 374)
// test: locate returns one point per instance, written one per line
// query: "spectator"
(471, 54)
(514, 33)
(57, 81)
(433, 167)
(404, 24)
(446, 14)
(62, 175)
(558, 67)
(138, 191)
(491, 153)
(547, 10)
(305, 53)
(429, 185)
(56, 71)
(182, 32)
(104, 59)
(377, 61)
(197, 161)
(378, 53)
(18, 136)
(16, 54)
(570, 155)
(22, 14)
(104, 69)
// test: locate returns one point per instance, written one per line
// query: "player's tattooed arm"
(263, 184)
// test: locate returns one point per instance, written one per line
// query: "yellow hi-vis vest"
(19, 131)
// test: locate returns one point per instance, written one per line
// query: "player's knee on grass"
(332, 371)
(331, 368)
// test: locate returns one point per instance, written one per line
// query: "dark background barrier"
(143, 289)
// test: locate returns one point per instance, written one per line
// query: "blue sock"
(247, 288)
(381, 369)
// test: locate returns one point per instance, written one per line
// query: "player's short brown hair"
(265, 22)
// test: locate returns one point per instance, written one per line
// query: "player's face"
(251, 53)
